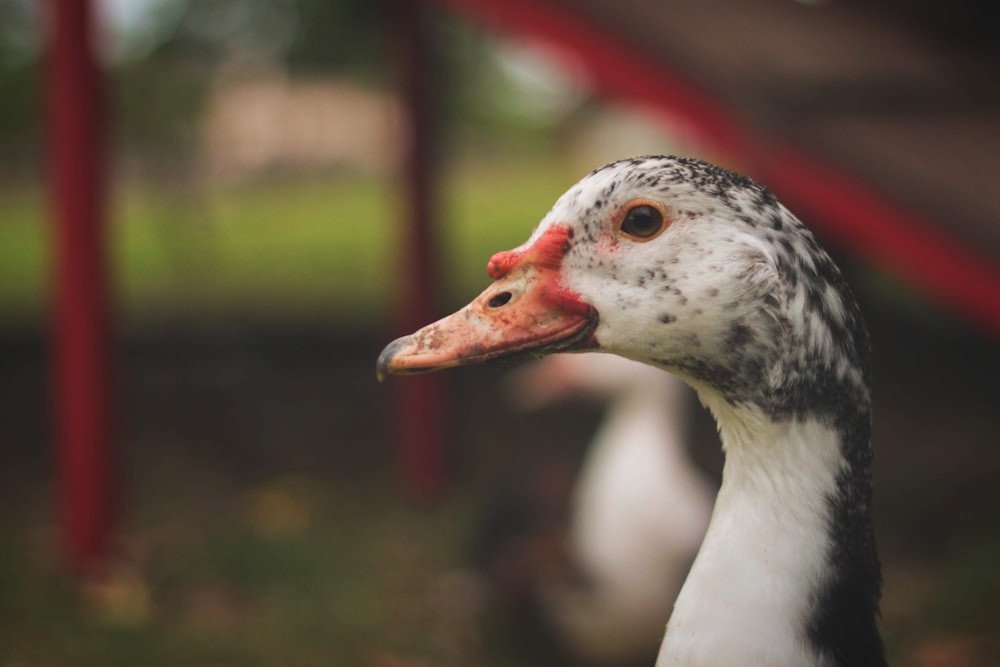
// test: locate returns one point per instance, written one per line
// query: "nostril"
(500, 299)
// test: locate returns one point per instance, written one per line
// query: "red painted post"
(80, 336)
(419, 401)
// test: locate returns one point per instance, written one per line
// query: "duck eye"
(642, 222)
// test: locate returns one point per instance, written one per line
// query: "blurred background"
(258, 232)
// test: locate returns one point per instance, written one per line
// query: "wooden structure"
(877, 123)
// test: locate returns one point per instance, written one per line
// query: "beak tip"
(383, 366)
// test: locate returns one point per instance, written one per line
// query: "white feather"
(764, 552)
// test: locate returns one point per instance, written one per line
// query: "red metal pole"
(80, 336)
(419, 409)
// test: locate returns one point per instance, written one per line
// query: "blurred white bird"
(639, 507)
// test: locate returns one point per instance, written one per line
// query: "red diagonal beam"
(80, 336)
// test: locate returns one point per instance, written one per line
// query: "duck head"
(669, 261)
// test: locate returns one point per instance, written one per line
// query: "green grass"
(23, 252)
(343, 584)
(328, 249)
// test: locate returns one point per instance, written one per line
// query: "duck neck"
(788, 554)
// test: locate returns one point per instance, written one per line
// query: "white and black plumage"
(638, 511)
(702, 272)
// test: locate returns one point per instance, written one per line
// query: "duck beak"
(524, 314)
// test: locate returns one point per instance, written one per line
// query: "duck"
(638, 509)
(701, 272)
